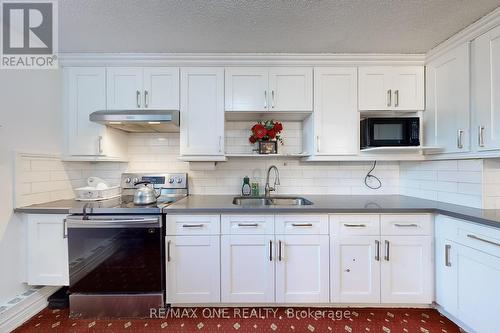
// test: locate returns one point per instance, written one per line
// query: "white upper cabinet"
(84, 93)
(336, 117)
(130, 88)
(268, 89)
(291, 89)
(446, 119)
(202, 111)
(391, 88)
(161, 88)
(486, 90)
(246, 89)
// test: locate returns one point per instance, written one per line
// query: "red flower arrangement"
(266, 131)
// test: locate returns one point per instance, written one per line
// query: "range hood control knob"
(179, 180)
(128, 180)
(171, 180)
(135, 180)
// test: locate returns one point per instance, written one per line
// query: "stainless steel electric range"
(117, 251)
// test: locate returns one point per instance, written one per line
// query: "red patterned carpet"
(254, 320)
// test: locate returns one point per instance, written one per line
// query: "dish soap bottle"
(246, 190)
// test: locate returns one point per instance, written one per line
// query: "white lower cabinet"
(468, 273)
(406, 270)
(302, 269)
(247, 268)
(193, 269)
(355, 269)
(47, 253)
(367, 266)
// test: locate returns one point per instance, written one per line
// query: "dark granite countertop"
(322, 204)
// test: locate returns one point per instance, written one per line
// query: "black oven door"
(393, 132)
(122, 254)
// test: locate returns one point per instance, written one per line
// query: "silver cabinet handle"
(65, 228)
(146, 98)
(483, 240)
(377, 250)
(406, 225)
(272, 96)
(248, 225)
(265, 99)
(192, 225)
(279, 250)
(220, 144)
(302, 225)
(447, 249)
(387, 245)
(99, 144)
(168, 251)
(389, 97)
(138, 98)
(460, 133)
(270, 250)
(361, 225)
(396, 98)
(317, 144)
(481, 136)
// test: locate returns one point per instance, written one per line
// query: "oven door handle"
(112, 223)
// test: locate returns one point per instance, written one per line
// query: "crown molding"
(468, 34)
(237, 59)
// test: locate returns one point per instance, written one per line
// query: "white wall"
(455, 181)
(30, 119)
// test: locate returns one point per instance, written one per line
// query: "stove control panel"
(166, 180)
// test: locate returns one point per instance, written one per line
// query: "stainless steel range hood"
(138, 121)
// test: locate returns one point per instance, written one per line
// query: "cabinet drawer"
(406, 224)
(480, 238)
(304, 224)
(247, 224)
(355, 224)
(192, 224)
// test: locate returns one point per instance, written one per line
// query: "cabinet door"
(407, 269)
(161, 88)
(446, 118)
(124, 88)
(478, 277)
(290, 89)
(375, 88)
(47, 257)
(446, 275)
(486, 89)
(355, 269)
(202, 111)
(193, 269)
(408, 88)
(302, 274)
(247, 268)
(84, 93)
(336, 118)
(247, 89)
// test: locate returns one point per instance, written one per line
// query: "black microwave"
(380, 132)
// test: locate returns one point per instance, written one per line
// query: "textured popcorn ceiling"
(364, 26)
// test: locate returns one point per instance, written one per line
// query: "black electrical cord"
(372, 177)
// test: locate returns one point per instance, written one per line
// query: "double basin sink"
(271, 201)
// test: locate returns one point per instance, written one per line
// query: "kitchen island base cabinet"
(355, 268)
(193, 269)
(247, 269)
(47, 255)
(302, 269)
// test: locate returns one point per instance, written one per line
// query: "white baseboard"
(19, 313)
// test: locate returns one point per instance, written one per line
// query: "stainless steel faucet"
(268, 188)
